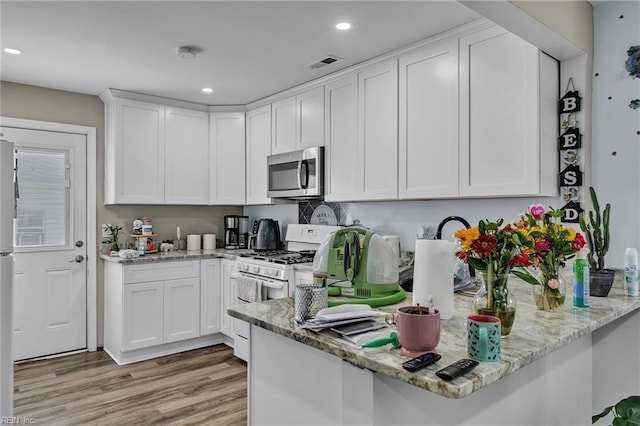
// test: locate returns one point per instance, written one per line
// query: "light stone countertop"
(179, 255)
(535, 334)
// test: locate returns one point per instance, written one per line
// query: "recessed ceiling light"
(207, 90)
(13, 51)
(343, 26)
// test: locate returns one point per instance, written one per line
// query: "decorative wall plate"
(324, 215)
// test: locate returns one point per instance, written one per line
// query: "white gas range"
(263, 275)
(270, 274)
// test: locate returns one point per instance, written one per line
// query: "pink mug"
(418, 331)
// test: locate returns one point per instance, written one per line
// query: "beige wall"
(571, 19)
(41, 104)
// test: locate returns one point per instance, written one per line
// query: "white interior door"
(50, 273)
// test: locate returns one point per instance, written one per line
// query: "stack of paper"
(342, 314)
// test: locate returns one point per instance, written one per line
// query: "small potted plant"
(596, 231)
(625, 413)
(114, 231)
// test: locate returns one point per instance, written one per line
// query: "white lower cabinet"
(210, 289)
(181, 309)
(154, 309)
(143, 315)
(228, 296)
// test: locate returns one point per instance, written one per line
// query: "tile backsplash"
(319, 212)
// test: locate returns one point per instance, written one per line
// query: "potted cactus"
(596, 232)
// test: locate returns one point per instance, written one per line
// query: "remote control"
(421, 361)
(456, 369)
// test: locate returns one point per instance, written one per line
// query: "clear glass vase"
(552, 292)
(495, 299)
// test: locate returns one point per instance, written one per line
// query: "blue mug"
(483, 337)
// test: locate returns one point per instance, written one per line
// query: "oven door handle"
(272, 284)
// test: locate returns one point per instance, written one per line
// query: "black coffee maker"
(232, 232)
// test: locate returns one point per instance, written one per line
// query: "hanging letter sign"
(570, 102)
(570, 139)
(571, 176)
(571, 212)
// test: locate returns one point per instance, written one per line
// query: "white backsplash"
(404, 217)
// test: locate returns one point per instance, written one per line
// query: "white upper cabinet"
(428, 122)
(134, 152)
(505, 84)
(310, 118)
(258, 145)
(186, 156)
(283, 125)
(343, 173)
(154, 153)
(378, 131)
(227, 158)
(298, 121)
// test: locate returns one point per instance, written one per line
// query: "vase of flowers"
(549, 244)
(493, 250)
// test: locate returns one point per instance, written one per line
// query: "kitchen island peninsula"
(557, 368)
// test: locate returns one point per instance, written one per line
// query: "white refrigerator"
(7, 211)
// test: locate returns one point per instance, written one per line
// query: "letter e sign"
(571, 102)
(571, 139)
(571, 176)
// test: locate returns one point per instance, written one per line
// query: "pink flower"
(542, 246)
(536, 211)
(553, 284)
(578, 242)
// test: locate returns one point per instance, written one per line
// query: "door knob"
(79, 258)
(79, 243)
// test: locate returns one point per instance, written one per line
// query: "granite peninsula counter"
(550, 371)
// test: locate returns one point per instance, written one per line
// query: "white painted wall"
(616, 178)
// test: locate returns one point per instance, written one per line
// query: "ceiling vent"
(328, 60)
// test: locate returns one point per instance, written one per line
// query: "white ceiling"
(249, 49)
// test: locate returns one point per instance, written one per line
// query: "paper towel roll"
(209, 241)
(193, 242)
(433, 275)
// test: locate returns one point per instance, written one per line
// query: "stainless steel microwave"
(297, 174)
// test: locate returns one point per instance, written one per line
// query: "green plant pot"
(601, 282)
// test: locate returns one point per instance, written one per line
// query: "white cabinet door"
(228, 296)
(343, 161)
(226, 158)
(258, 123)
(297, 122)
(135, 154)
(428, 132)
(310, 118)
(210, 303)
(181, 309)
(378, 130)
(499, 119)
(143, 315)
(283, 125)
(186, 156)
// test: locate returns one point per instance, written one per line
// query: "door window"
(43, 204)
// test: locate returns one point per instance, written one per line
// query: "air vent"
(324, 62)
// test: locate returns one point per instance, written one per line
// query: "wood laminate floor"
(206, 387)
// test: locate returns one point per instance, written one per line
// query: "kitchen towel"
(209, 241)
(193, 242)
(433, 275)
